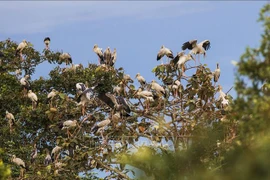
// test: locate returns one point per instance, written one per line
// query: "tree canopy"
(182, 125)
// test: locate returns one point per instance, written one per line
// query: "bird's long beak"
(192, 57)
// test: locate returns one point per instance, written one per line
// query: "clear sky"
(137, 29)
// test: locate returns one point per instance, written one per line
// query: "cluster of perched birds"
(120, 107)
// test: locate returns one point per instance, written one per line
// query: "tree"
(183, 113)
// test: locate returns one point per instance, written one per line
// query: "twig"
(112, 169)
(229, 90)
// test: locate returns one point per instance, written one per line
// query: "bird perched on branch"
(195, 48)
(47, 41)
(55, 152)
(157, 87)
(33, 154)
(116, 103)
(11, 121)
(99, 127)
(114, 57)
(127, 78)
(68, 125)
(80, 87)
(85, 97)
(164, 51)
(180, 59)
(20, 48)
(216, 74)
(18, 161)
(33, 97)
(50, 96)
(107, 55)
(99, 53)
(147, 95)
(48, 158)
(140, 79)
(25, 84)
(65, 57)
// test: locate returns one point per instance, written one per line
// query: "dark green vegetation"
(194, 133)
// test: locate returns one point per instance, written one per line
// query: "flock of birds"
(120, 107)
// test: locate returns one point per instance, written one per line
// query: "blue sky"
(137, 29)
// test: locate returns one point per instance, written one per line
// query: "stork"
(20, 48)
(50, 96)
(66, 57)
(116, 103)
(25, 84)
(147, 95)
(99, 127)
(180, 60)
(33, 154)
(157, 87)
(195, 48)
(164, 51)
(11, 121)
(99, 53)
(19, 162)
(80, 87)
(47, 41)
(140, 79)
(107, 56)
(85, 97)
(33, 97)
(48, 158)
(114, 57)
(216, 74)
(68, 125)
(127, 78)
(55, 152)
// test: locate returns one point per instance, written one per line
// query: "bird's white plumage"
(18, 161)
(140, 78)
(21, 46)
(157, 87)
(32, 96)
(69, 124)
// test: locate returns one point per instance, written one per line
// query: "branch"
(113, 169)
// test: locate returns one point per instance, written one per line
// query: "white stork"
(80, 87)
(164, 51)
(176, 87)
(195, 48)
(114, 57)
(55, 152)
(33, 154)
(11, 120)
(140, 79)
(99, 127)
(20, 48)
(127, 78)
(99, 53)
(181, 59)
(33, 97)
(65, 57)
(222, 96)
(147, 95)
(157, 87)
(68, 125)
(85, 97)
(216, 74)
(107, 56)
(50, 96)
(25, 84)
(47, 41)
